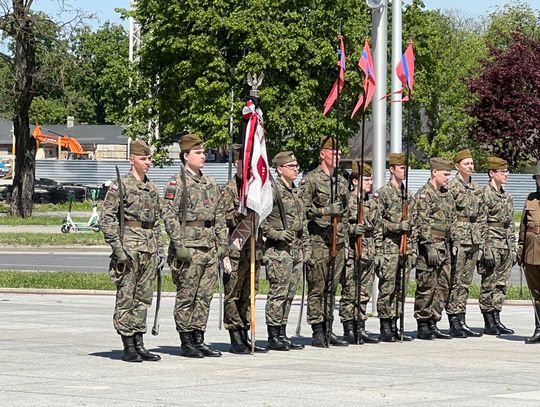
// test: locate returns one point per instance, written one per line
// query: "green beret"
(440, 163)
(537, 170)
(396, 159)
(237, 151)
(139, 147)
(190, 142)
(461, 155)
(329, 143)
(496, 163)
(366, 169)
(283, 158)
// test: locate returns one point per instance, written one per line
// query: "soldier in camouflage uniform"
(466, 242)
(287, 248)
(321, 209)
(236, 280)
(136, 255)
(434, 215)
(358, 288)
(500, 251)
(195, 230)
(390, 203)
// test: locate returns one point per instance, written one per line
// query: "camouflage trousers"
(319, 301)
(194, 283)
(432, 285)
(532, 275)
(350, 292)
(283, 271)
(494, 281)
(463, 267)
(134, 291)
(389, 301)
(236, 285)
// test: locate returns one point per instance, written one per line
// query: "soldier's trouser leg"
(426, 288)
(494, 282)
(236, 285)
(532, 276)
(297, 271)
(387, 301)
(366, 287)
(349, 292)
(134, 291)
(194, 289)
(501, 279)
(279, 274)
(462, 277)
(442, 287)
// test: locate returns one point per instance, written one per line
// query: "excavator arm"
(67, 142)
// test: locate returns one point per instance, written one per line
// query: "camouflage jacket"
(316, 191)
(499, 226)
(434, 216)
(204, 227)
(470, 215)
(372, 238)
(141, 203)
(294, 212)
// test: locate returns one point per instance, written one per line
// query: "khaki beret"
(237, 151)
(366, 169)
(283, 158)
(396, 159)
(190, 142)
(139, 147)
(537, 170)
(440, 163)
(329, 143)
(461, 155)
(496, 163)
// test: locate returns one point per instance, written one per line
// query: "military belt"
(498, 224)
(137, 224)
(534, 229)
(440, 234)
(200, 223)
(470, 219)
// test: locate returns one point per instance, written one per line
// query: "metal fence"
(93, 173)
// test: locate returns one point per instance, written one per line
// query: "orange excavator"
(76, 152)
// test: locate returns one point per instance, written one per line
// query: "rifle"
(155, 328)
(220, 289)
(299, 323)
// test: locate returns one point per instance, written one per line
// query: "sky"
(104, 9)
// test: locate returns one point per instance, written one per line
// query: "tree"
(508, 101)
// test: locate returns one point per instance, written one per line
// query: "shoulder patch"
(114, 187)
(423, 196)
(170, 193)
(375, 195)
(172, 182)
(302, 181)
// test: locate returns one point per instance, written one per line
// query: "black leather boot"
(466, 328)
(318, 339)
(424, 332)
(436, 332)
(237, 346)
(489, 324)
(198, 340)
(333, 338)
(397, 333)
(363, 335)
(130, 353)
(386, 332)
(535, 338)
(188, 346)
(283, 336)
(247, 342)
(500, 326)
(141, 350)
(349, 333)
(274, 340)
(455, 327)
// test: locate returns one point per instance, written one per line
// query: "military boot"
(318, 339)
(130, 353)
(237, 346)
(198, 340)
(386, 333)
(489, 324)
(274, 341)
(188, 346)
(535, 338)
(247, 342)
(283, 336)
(363, 335)
(349, 332)
(333, 338)
(468, 331)
(455, 327)
(141, 350)
(436, 332)
(502, 329)
(424, 332)
(397, 333)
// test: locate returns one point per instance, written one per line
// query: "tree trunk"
(25, 144)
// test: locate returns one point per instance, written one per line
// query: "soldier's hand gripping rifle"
(402, 270)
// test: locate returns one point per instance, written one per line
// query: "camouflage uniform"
(205, 229)
(142, 241)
